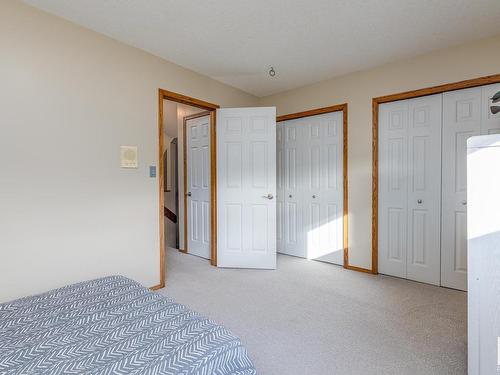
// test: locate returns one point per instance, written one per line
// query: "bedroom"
(82, 79)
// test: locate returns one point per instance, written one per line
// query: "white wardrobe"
(310, 187)
(422, 230)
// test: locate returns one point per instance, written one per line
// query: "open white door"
(198, 186)
(246, 187)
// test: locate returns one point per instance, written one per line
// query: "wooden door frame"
(179, 98)
(470, 83)
(185, 177)
(319, 111)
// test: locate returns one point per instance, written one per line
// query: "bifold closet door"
(461, 120)
(322, 191)
(490, 123)
(393, 188)
(410, 188)
(312, 177)
(279, 187)
(293, 212)
(466, 113)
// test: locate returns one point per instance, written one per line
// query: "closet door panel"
(461, 120)
(393, 188)
(312, 175)
(280, 203)
(293, 238)
(424, 190)
(490, 123)
(330, 194)
(312, 152)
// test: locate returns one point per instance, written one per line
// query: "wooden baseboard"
(183, 251)
(359, 269)
(156, 287)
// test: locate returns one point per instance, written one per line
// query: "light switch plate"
(128, 156)
(152, 171)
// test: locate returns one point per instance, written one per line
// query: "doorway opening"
(174, 111)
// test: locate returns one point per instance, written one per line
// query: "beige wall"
(444, 66)
(70, 97)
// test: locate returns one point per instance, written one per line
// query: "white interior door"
(461, 120)
(322, 186)
(246, 187)
(198, 186)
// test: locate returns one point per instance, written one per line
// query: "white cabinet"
(422, 183)
(483, 233)
(312, 193)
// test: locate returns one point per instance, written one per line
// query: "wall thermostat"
(128, 156)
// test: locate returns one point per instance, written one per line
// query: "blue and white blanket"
(113, 325)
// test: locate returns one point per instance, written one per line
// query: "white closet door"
(280, 202)
(424, 189)
(323, 186)
(490, 123)
(246, 187)
(461, 120)
(466, 113)
(198, 183)
(293, 238)
(410, 188)
(393, 188)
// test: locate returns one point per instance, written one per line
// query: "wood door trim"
(312, 112)
(184, 166)
(319, 111)
(481, 81)
(179, 98)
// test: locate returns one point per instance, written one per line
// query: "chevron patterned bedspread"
(113, 325)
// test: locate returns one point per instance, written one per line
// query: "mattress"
(113, 325)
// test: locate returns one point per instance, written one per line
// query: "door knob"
(188, 194)
(464, 203)
(314, 196)
(419, 201)
(268, 196)
(290, 196)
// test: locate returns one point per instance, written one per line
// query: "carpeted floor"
(311, 318)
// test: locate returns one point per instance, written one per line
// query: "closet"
(310, 187)
(422, 204)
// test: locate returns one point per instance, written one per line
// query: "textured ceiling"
(236, 41)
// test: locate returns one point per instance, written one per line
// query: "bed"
(113, 325)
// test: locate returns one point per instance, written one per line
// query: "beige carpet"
(311, 318)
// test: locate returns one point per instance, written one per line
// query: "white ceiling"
(236, 41)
